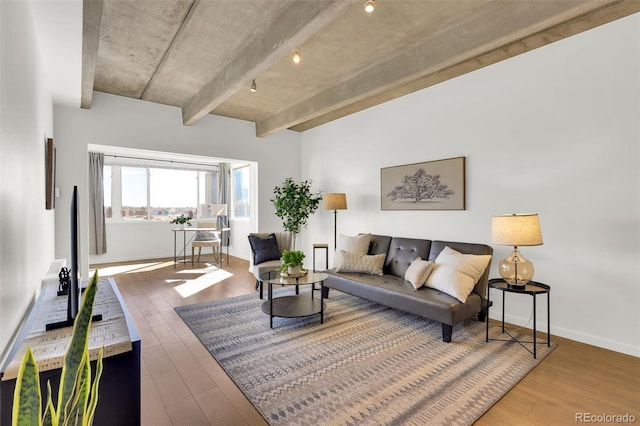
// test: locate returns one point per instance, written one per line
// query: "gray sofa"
(393, 291)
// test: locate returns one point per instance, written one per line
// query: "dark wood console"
(119, 391)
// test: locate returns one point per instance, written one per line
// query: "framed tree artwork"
(50, 171)
(432, 185)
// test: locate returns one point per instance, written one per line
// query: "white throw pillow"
(357, 244)
(418, 272)
(456, 274)
(361, 263)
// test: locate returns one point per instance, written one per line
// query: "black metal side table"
(293, 306)
(321, 246)
(533, 289)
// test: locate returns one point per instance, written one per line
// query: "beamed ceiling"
(202, 55)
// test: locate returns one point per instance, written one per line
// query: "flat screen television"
(73, 293)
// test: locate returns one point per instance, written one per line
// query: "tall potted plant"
(294, 203)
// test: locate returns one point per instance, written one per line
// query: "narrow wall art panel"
(432, 185)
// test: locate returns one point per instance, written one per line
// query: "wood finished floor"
(183, 385)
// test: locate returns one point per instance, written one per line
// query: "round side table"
(293, 306)
(533, 289)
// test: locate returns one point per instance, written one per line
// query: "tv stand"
(119, 390)
(69, 323)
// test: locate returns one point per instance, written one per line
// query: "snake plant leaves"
(50, 417)
(93, 402)
(27, 402)
(71, 369)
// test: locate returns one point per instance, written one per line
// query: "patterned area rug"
(366, 365)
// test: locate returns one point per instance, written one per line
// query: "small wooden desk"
(185, 241)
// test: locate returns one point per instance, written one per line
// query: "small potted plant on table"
(181, 220)
(292, 262)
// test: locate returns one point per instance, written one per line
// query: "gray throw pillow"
(205, 236)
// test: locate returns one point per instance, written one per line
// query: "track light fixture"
(369, 6)
(254, 87)
(297, 56)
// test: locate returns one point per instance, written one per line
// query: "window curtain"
(224, 178)
(97, 231)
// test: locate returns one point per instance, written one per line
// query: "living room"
(553, 131)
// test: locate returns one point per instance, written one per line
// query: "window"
(135, 193)
(240, 193)
(172, 192)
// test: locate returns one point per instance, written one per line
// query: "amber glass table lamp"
(516, 230)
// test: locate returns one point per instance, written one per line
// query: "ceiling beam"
(91, 20)
(431, 61)
(190, 11)
(293, 27)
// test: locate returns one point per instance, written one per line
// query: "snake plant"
(77, 395)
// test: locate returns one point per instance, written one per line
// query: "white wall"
(129, 123)
(554, 131)
(26, 227)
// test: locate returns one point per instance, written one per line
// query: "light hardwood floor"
(183, 385)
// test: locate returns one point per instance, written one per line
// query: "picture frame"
(50, 174)
(430, 185)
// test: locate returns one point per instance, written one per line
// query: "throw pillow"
(418, 272)
(456, 274)
(361, 263)
(356, 244)
(205, 236)
(264, 249)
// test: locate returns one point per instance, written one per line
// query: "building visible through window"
(240, 195)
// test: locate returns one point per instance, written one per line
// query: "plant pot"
(293, 270)
(182, 226)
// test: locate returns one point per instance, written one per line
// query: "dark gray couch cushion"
(403, 251)
(379, 244)
(397, 293)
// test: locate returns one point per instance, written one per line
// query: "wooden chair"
(206, 239)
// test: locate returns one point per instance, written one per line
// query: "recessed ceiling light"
(369, 6)
(297, 56)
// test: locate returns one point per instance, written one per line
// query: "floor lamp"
(335, 202)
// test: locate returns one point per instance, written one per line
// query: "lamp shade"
(334, 201)
(516, 230)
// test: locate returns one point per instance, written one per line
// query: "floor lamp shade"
(516, 230)
(334, 201)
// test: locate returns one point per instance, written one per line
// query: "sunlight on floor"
(203, 270)
(191, 287)
(123, 269)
